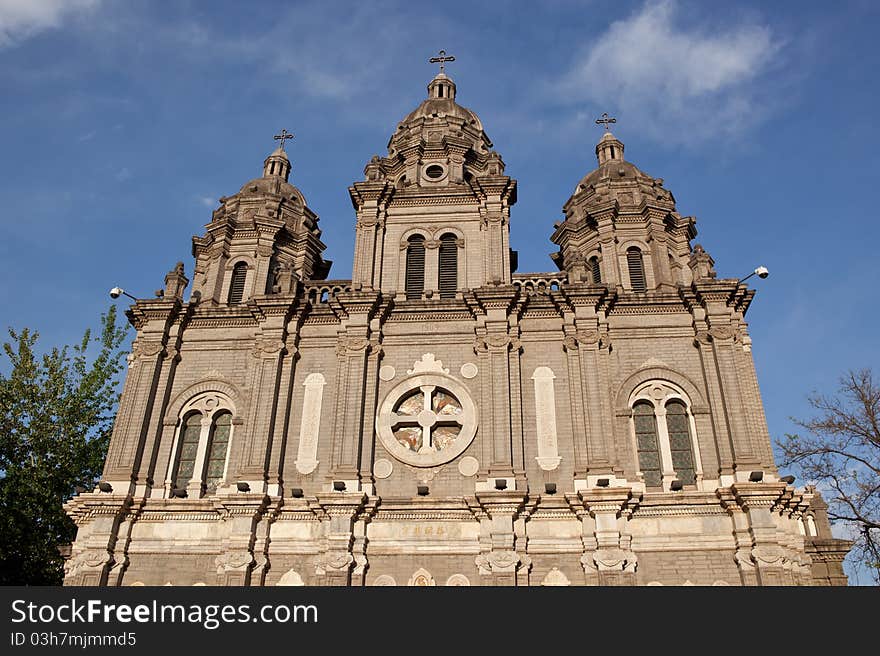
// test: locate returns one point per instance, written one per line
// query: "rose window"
(427, 420)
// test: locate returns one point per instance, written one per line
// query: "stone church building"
(440, 418)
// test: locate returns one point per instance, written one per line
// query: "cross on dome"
(606, 120)
(283, 137)
(441, 59)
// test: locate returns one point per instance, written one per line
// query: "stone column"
(499, 560)
(334, 566)
(613, 561)
(236, 560)
(253, 450)
(759, 555)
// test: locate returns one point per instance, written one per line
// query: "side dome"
(276, 173)
(617, 178)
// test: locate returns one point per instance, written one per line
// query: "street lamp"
(116, 292)
(761, 272)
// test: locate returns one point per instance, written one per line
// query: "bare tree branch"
(840, 452)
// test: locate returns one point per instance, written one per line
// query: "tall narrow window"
(236, 287)
(415, 267)
(636, 269)
(680, 444)
(448, 265)
(189, 446)
(217, 446)
(595, 271)
(648, 445)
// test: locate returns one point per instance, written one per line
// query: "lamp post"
(761, 272)
(116, 292)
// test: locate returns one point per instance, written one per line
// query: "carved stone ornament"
(93, 560)
(767, 556)
(702, 337)
(291, 578)
(334, 563)
(555, 578)
(721, 332)
(384, 580)
(497, 562)
(147, 347)
(588, 336)
(235, 560)
(458, 580)
(421, 578)
(348, 345)
(267, 346)
(427, 364)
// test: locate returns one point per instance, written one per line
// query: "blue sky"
(121, 123)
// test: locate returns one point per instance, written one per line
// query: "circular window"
(435, 172)
(427, 420)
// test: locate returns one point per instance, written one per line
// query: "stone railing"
(539, 283)
(321, 291)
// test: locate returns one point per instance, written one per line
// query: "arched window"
(678, 427)
(415, 267)
(664, 435)
(236, 286)
(200, 449)
(648, 445)
(595, 271)
(218, 444)
(636, 269)
(188, 450)
(448, 265)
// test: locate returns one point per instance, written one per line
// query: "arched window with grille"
(218, 444)
(236, 285)
(201, 446)
(680, 442)
(415, 267)
(664, 435)
(595, 270)
(187, 450)
(448, 265)
(636, 267)
(648, 444)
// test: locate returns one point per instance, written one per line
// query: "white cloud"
(673, 80)
(207, 201)
(20, 19)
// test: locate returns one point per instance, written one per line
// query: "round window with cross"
(427, 420)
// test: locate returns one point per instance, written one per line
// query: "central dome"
(439, 116)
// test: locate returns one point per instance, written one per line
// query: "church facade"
(440, 419)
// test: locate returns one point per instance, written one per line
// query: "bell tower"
(433, 214)
(260, 240)
(621, 228)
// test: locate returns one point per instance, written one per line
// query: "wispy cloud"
(21, 19)
(123, 174)
(660, 73)
(206, 201)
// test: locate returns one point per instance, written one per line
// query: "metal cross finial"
(606, 120)
(282, 137)
(441, 59)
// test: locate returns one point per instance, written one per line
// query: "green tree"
(56, 415)
(840, 453)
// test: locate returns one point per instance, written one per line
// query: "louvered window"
(636, 270)
(186, 452)
(595, 271)
(647, 443)
(218, 444)
(448, 265)
(236, 287)
(415, 267)
(678, 427)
